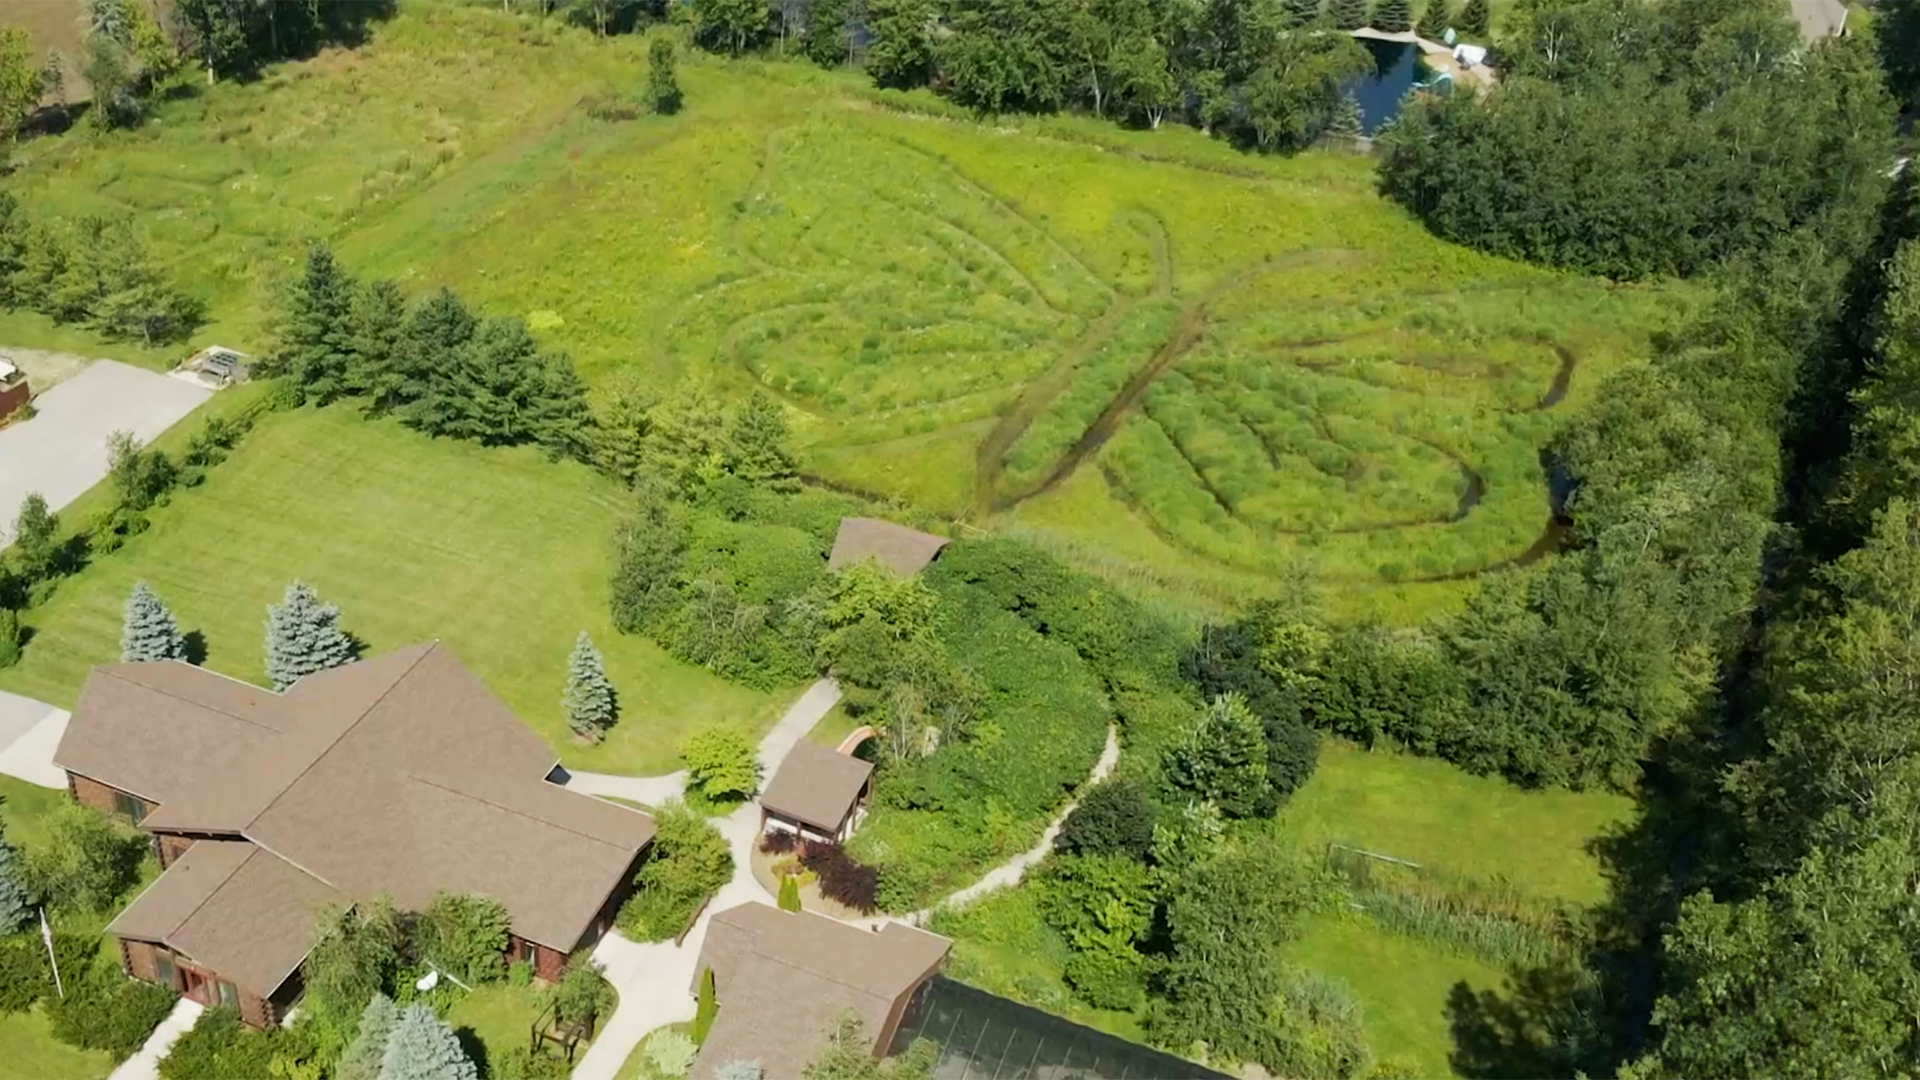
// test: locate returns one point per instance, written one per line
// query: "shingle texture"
(816, 786)
(904, 551)
(400, 774)
(783, 978)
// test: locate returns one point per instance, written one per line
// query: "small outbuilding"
(819, 794)
(14, 392)
(783, 978)
(902, 550)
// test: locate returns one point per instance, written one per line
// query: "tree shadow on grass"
(475, 1049)
(196, 647)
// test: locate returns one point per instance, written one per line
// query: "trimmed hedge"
(105, 1010)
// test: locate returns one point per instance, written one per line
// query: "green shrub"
(87, 862)
(707, 1008)
(24, 975)
(9, 637)
(105, 1010)
(789, 893)
(465, 935)
(1114, 818)
(522, 1062)
(220, 1047)
(722, 763)
(670, 1053)
(583, 993)
(689, 862)
(519, 973)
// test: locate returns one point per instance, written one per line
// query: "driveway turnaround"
(29, 732)
(63, 451)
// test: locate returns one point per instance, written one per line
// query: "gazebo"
(818, 795)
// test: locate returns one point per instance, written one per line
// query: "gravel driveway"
(63, 451)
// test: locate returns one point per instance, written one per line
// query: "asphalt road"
(63, 451)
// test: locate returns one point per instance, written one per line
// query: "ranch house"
(398, 775)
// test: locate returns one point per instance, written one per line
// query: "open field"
(1180, 365)
(502, 554)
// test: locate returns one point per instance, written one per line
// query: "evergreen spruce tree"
(361, 1060)
(1223, 759)
(423, 1047)
(1301, 12)
(1347, 120)
(1434, 20)
(148, 631)
(1476, 20)
(663, 88)
(316, 347)
(1392, 16)
(304, 636)
(379, 330)
(589, 697)
(1348, 14)
(15, 905)
(758, 441)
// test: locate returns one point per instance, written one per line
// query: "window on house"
(131, 806)
(163, 970)
(228, 996)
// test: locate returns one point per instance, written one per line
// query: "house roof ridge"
(184, 919)
(335, 741)
(484, 801)
(112, 671)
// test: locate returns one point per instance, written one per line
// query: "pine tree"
(1392, 16)
(1223, 759)
(1301, 12)
(15, 908)
(663, 88)
(1347, 120)
(361, 1060)
(758, 441)
(589, 697)
(1348, 14)
(304, 636)
(423, 1047)
(316, 347)
(379, 331)
(1434, 20)
(148, 632)
(1476, 19)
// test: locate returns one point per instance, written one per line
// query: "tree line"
(90, 271)
(1637, 139)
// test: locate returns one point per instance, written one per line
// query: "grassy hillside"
(1179, 365)
(500, 553)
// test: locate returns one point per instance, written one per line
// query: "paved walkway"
(145, 1062)
(63, 451)
(29, 732)
(655, 980)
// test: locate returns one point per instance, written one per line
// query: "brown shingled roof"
(783, 978)
(816, 786)
(904, 551)
(400, 774)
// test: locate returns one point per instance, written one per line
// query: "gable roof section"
(816, 785)
(398, 774)
(783, 978)
(233, 907)
(904, 551)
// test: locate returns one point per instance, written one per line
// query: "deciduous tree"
(722, 762)
(148, 631)
(733, 27)
(35, 528)
(900, 49)
(22, 81)
(356, 950)
(827, 38)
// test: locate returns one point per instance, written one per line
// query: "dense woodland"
(1728, 634)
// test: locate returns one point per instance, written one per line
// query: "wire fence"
(984, 1037)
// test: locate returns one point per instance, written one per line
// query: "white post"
(46, 935)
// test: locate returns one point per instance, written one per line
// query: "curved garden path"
(655, 979)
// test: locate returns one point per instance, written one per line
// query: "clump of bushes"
(688, 864)
(105, 1010)
(464, 935)
(25, 976)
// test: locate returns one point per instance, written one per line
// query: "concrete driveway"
(29, 733)
(63, 451)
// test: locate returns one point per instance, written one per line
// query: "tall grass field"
(1175, 364)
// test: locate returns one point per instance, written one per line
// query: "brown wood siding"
(255, 1010)
(170, 846)
(549, 964)
(138, 956)
(12, 397)
(90, 792)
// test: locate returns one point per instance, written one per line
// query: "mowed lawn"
(1427, 811)
(502, 554)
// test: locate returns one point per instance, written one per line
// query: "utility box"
(14, 393)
